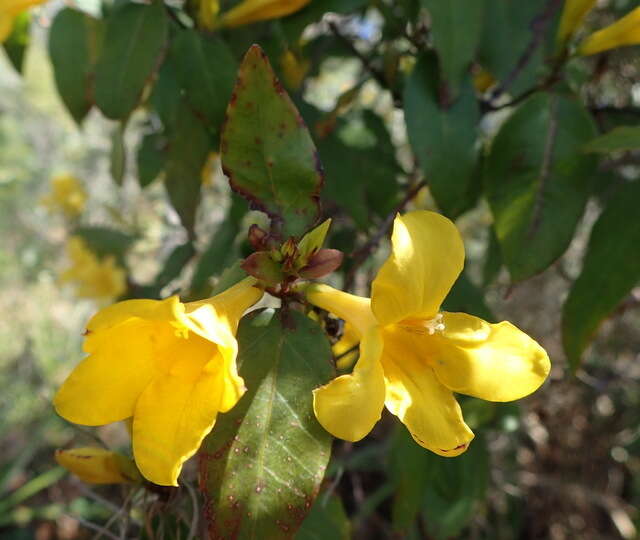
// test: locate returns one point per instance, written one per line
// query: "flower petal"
(496, 362)
(625, 31)
(354, 309)
(414, 394)
(427, 257)
(173, 414)
(104, 387)
(350, 405)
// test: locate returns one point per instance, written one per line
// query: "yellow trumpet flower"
(413, 357)
(98, 466)
(625, 31)
(572, 15)
(9, 10)
(67, 196)
(171, 366)
(100, 279)
(251, 11)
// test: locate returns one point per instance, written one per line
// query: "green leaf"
(611, 269)
(537, 181)
(189, 147)
(507, 33)
(17, 42)
(166, 96)
(493, 259)
(262, 465)
(466, 297)
(207, 71)
(410, 467)
(221, 250)
(151, 157)
(135, 38)
(267, 151)
(619, 139)
(455, 28)
(104, 241)
(118, 160)
(75, 40)
(327, 519)
(443, 139)
(455, 487)
(174, 264)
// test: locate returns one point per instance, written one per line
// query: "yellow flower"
(413, 357)
(483, 80)
(9, 10)
(208, 12)
(171, 366)
(98, 465)
(94, 278)
(625, 31)
(209, 169)
(251, 11)
(67, 195)
(572, 15)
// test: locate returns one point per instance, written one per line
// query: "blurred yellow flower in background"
(9, 10)
(623, 32)
(98, 465)
(67, 196)
(294, 69)
(251, 11)
(171, 366)
(413, 357)
(573, 13)
(100, 279)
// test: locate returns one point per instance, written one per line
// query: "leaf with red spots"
(267, 151)
(262, 465)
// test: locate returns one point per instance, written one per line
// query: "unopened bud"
(258, 238)
(98, 465)
(323, 262)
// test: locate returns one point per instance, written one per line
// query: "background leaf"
(75, 40)
(456, 26)
(136, 35)
(263, 462)
(538, 180)
(443, 138)
(189, 147)
(267, 151)
(17, 42)
(207, 70)
(611, 268)
(619, 139)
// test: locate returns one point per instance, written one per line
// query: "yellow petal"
(625, 31)
(416, 397)
(98, 465)
(573, 13)
(6, 26)
(105, 386)
(173, 414)
(216, 319)
(426, 258)
(496, 362)
(356, 310)
(350, 405)
(251, 11)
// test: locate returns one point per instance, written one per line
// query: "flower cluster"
(171, 367)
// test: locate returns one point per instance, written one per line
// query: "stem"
(360, 255)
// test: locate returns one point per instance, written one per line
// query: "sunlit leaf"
(262, 464)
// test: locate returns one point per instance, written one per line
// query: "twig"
(361, 254)
(93, 527)
(366, 62)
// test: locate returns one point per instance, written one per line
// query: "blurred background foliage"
(114, 190)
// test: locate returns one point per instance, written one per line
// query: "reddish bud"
(323, 262)
(258, 238)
